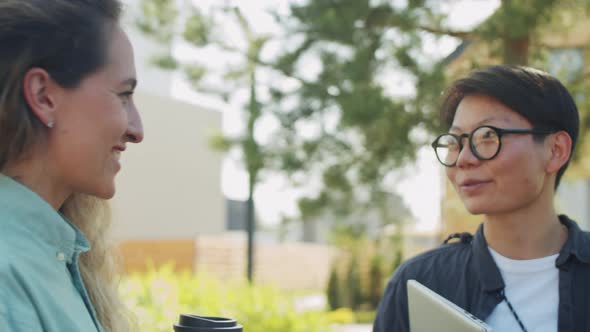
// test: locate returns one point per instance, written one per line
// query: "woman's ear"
(38, 91)
(560, 147)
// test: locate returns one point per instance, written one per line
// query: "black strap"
(463, 237)
(503, 297)
(467, 238)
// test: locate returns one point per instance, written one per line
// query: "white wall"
(170, 184)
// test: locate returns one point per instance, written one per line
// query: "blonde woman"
(67, 78)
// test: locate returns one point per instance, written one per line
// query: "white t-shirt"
(532, 287)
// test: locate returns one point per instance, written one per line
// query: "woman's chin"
(475, 209)
(104, 192)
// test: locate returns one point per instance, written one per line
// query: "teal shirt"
(41, 288)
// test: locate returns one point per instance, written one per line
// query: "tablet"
(431, 312)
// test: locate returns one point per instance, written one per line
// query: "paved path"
(354, 328)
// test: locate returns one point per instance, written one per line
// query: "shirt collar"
(577, 244)
(28, 212)
(489, 274)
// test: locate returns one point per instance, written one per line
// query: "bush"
(159, 296)
(376, 281)
(333, 290)
(365, 317)
(341, 316)
(354, 285)
(397, 260)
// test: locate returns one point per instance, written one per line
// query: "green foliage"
(362, 46)
(158, 297)
(397, 261)
(219, 142)
(164, 61)
(365, 127)
(354, 284)
(157, 19)
(368, 265)
(348, 316)
(311, 207)
(516, 23)
(197, 30)
(376, 280)
(195, 73)
(341, 316)
(333, 290)
(358, 43)
(365, 317)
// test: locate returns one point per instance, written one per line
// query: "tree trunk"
(516, 50)
(251, 149)
(251, 228)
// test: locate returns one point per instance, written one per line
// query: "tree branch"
(464, 35)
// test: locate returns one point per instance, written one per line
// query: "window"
(566, 63)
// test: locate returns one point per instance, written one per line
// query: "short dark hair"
(532, 93)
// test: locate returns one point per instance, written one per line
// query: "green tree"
(346, 114)
(364, 127)
(160, 19)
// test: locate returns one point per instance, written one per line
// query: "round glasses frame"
(499, 132)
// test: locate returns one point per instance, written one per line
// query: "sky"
(419, 184)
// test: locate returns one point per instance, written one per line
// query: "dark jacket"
(465, 273)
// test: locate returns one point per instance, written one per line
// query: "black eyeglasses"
(485, 143)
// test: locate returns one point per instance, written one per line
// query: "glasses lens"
(486, 142)
(447, 149)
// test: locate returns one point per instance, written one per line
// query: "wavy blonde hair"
(98, 266)
(69, 39)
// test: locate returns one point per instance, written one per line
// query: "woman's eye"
(126, 95)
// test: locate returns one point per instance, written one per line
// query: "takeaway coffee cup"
(192, 323)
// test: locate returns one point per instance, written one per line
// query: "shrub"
(333, 290)
(376, 281)
(159, 296)
(354, 285)
(341, 316)
(365, 317)
(397, 260)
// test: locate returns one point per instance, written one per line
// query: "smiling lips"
(471, 186)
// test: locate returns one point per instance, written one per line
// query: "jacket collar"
(577, 245)
(485, 266)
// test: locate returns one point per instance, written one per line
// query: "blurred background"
(286, 169)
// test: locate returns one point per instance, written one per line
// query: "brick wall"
(288, 265)
(293, 266)
(141, 255)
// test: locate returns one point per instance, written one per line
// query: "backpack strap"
(464, 237)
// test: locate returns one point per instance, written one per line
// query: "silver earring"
(50, 124)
